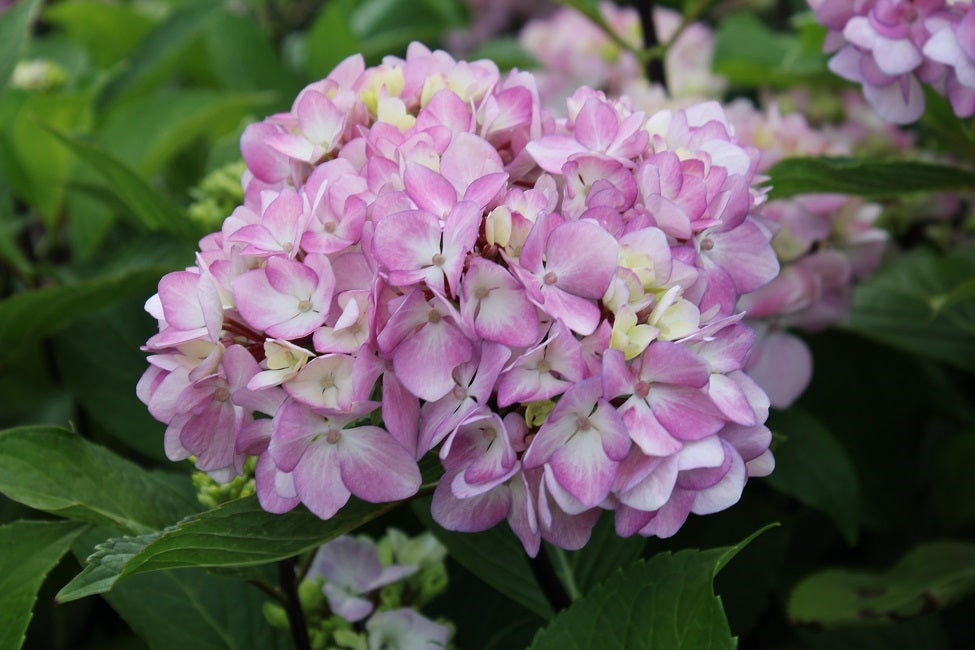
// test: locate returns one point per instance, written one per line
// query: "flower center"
(583, 423)
(304, 306)
(642, 389)
(333, 436)
(550, 278)
(222, 394)
(707, 244)
(438, 259)
(481, 293)
(434, 316)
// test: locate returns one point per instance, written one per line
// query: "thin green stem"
(564, 570)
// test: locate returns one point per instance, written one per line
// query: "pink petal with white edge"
(375, 467)
(469, 515)
(318, 480)
(275, 489)
(424, 362)
(583, 256)
(552, 151)
(893, 104)
(726, 492)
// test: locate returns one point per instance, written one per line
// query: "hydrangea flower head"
(427, 261)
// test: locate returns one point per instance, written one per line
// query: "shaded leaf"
(495, 556)
(922, 303)
(603, 554)
(161, 47)
(750, 54)
(928, 578)
(60, 472)
(864, 177)
(147, 132)
(28, 550)
(32, 315)
(665, 602)
(150, 209)
(952, 479)
(108, 31)
(243, 58)
(812, 467)
(237, 533)
(330, 39)
(13, 33)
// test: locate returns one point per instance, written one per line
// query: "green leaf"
(330, 39)
(750, 54)
(106, 390)
(160, 50)
(195, 609)
(32, 315)
(238, 533)
(109, 32)
(495, 556)
(149, 208)
(926, 579)
(13, 33)
(37, 164)
(506, 52)
(864, 177)
(665, 602)
(812, 467)
(148, 131)
(60, 472)
(28, 550)
(243, 58)
(922, 303)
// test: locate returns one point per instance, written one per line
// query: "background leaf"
(812, 467)
(58, 471)
(238, 533)
(864, 177)
(30, 316)
(922, 303)
(108, 31)
(28, 550)
(927, 578)
(750, 54)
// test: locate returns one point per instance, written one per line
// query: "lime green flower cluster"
(217, 195)
(211, 493)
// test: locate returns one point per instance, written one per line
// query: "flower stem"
(552, 587)
(292, 605)
(651, 42)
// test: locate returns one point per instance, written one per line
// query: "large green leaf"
(149, 208)
(60, 472)
(238, 533)
(243, 59)
(160, 50)
(495, 556)
(812, 467)
(927, 578)
(196, 609)
(30, 316)
(952, 478)
(923, 303)
(148, 131)
(13, 33)
(28, 550)
(665, 602)
(864, 177)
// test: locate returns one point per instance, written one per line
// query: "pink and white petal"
(275, 489)
(429, 190)
(583, 469)
(471, 515)
(318, 480)
(726, 492)
(425, 361)
(655, 489)
(730, 399)
(552, 151)
(583, 256)
(646, 430)
(782, 365)
(669, 518)
(375, 467)
(686, 413)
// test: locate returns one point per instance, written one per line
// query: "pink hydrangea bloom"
(891, 47)
(427, 261)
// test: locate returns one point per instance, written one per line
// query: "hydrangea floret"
(891, 47)
(427, 262)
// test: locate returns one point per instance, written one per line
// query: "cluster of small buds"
(891, 47)
(359, 594)
(825, 243)
(427, 261)
(574, 52)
